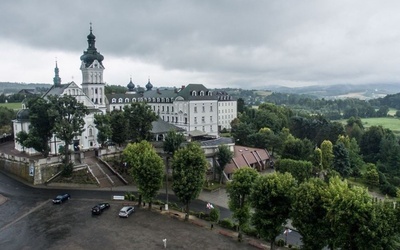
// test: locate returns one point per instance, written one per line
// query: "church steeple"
(91, 53)
(56, 78)
(92, 73)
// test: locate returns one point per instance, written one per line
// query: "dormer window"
(202, 93)
(209, 93)
(133, 99)
(126, 99)
(113, 100)
(194, 93)
(120, 100)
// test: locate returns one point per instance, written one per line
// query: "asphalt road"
(29, 220)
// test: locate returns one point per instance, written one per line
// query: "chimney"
(183, 87)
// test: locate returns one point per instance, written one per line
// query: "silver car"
(126, 211)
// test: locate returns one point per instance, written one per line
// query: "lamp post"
(166, 184)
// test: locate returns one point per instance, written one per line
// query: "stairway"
(102, 173)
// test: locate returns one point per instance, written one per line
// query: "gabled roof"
(246, 156)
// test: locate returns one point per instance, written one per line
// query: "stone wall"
(32, 171)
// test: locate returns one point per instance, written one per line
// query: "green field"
(11, 105)
(391, 123)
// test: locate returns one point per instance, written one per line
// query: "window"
(113, 100)
(203, 108)
(211, 118)
(204, 129)
(133, 99)
(195, 109)
(203, 119)
(90, 132)
(194, 93)
(202, 93)
(126, 99)
(211, 108)
(120, 100)
(195, 120)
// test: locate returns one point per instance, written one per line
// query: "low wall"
(32, 171)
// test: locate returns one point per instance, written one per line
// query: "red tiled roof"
(246, 156)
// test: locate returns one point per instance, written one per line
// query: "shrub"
(67, 170)
(130, 196)
(250, 231)
(227, 223)
(280, 243)
(214, 214)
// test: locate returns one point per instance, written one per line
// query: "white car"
(126, 211)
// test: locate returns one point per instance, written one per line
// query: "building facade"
(193, 108)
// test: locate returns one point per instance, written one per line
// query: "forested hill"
(14, 87)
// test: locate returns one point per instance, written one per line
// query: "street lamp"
(166, 184)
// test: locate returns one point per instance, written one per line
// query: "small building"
(256, 158)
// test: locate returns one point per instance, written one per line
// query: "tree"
(300, 170)
(189, 168)
(139, 117)
(370, 143)
(224, 156)
(118, 127)
(371, 176)
(239, 190)
(341, 160)
(147, 169)
(309, 214)
(69, 121)
(41, 127)
(103, 125)
(173, 141)
(327, 154)
(356, 222)
(271, 200)
(6, 117)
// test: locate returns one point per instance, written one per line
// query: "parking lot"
(71, 226)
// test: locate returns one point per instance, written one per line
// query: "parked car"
(126, 211)
(61, 198)
(99, 208)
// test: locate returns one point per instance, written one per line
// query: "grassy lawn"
(391, 123)
(11, 105)
(386, 122)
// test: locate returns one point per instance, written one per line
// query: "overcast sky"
(231, 43)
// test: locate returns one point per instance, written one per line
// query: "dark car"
(99, 208)
(61, 198)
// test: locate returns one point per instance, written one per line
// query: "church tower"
(92, 73)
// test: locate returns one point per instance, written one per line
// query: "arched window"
(202, 93)
(194, 93)
(126, 99)
(133, 99)
(90, 132)
(113, 100)
(158, 99)
(167, 100)
(120, 100)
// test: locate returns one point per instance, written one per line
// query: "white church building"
(193, 108)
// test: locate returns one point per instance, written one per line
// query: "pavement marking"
(24, 215)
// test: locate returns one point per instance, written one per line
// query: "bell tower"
(92, 72)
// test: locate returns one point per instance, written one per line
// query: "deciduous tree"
(69, 121)
(271, 199)
(147, 169)
(239, 190)
(189, 168)
(224, 156)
